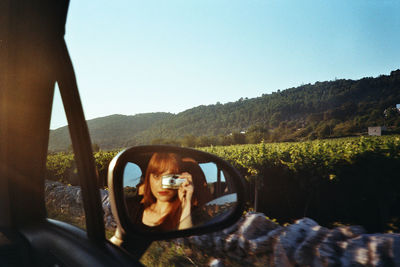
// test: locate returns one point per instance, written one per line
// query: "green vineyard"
(320, 157)
(334, 181)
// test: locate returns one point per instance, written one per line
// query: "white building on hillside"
(377, 131)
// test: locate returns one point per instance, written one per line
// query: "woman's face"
(161, 194)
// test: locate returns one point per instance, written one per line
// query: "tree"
(189, 141)
(324, 131)
(391, 112)
(238, 138)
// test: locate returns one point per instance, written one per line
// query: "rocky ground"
(66, 201)
(304, 243)
(258, 241)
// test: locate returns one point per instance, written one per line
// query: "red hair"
(201, 194)
(158, 164)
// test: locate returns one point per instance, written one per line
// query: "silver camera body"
(171, 181)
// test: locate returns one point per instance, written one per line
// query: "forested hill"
(109, 132)
(319, 110)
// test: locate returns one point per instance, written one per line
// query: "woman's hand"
(185, 193)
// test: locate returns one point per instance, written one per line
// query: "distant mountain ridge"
(109, 132)
(322, 109)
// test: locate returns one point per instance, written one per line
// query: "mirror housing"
(127, 234)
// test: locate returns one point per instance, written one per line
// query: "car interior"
(33, 58)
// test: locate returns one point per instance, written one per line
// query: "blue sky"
(149, 56)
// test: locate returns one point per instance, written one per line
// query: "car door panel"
(55, 243)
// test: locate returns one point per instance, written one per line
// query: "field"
(346, 180)
(334, 181)
(320, 156)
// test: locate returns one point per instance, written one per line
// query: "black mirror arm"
(80, 142)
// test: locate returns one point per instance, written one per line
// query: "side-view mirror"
(161, 192)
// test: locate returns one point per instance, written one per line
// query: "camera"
(171, 181)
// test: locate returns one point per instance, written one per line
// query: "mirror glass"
(168, 191)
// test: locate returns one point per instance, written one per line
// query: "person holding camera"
(167, 195)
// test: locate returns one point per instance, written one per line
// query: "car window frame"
(81, 143)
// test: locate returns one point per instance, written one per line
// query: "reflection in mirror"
(167, 191)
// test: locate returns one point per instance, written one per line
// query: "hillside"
(109, 132)
(319, 110)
